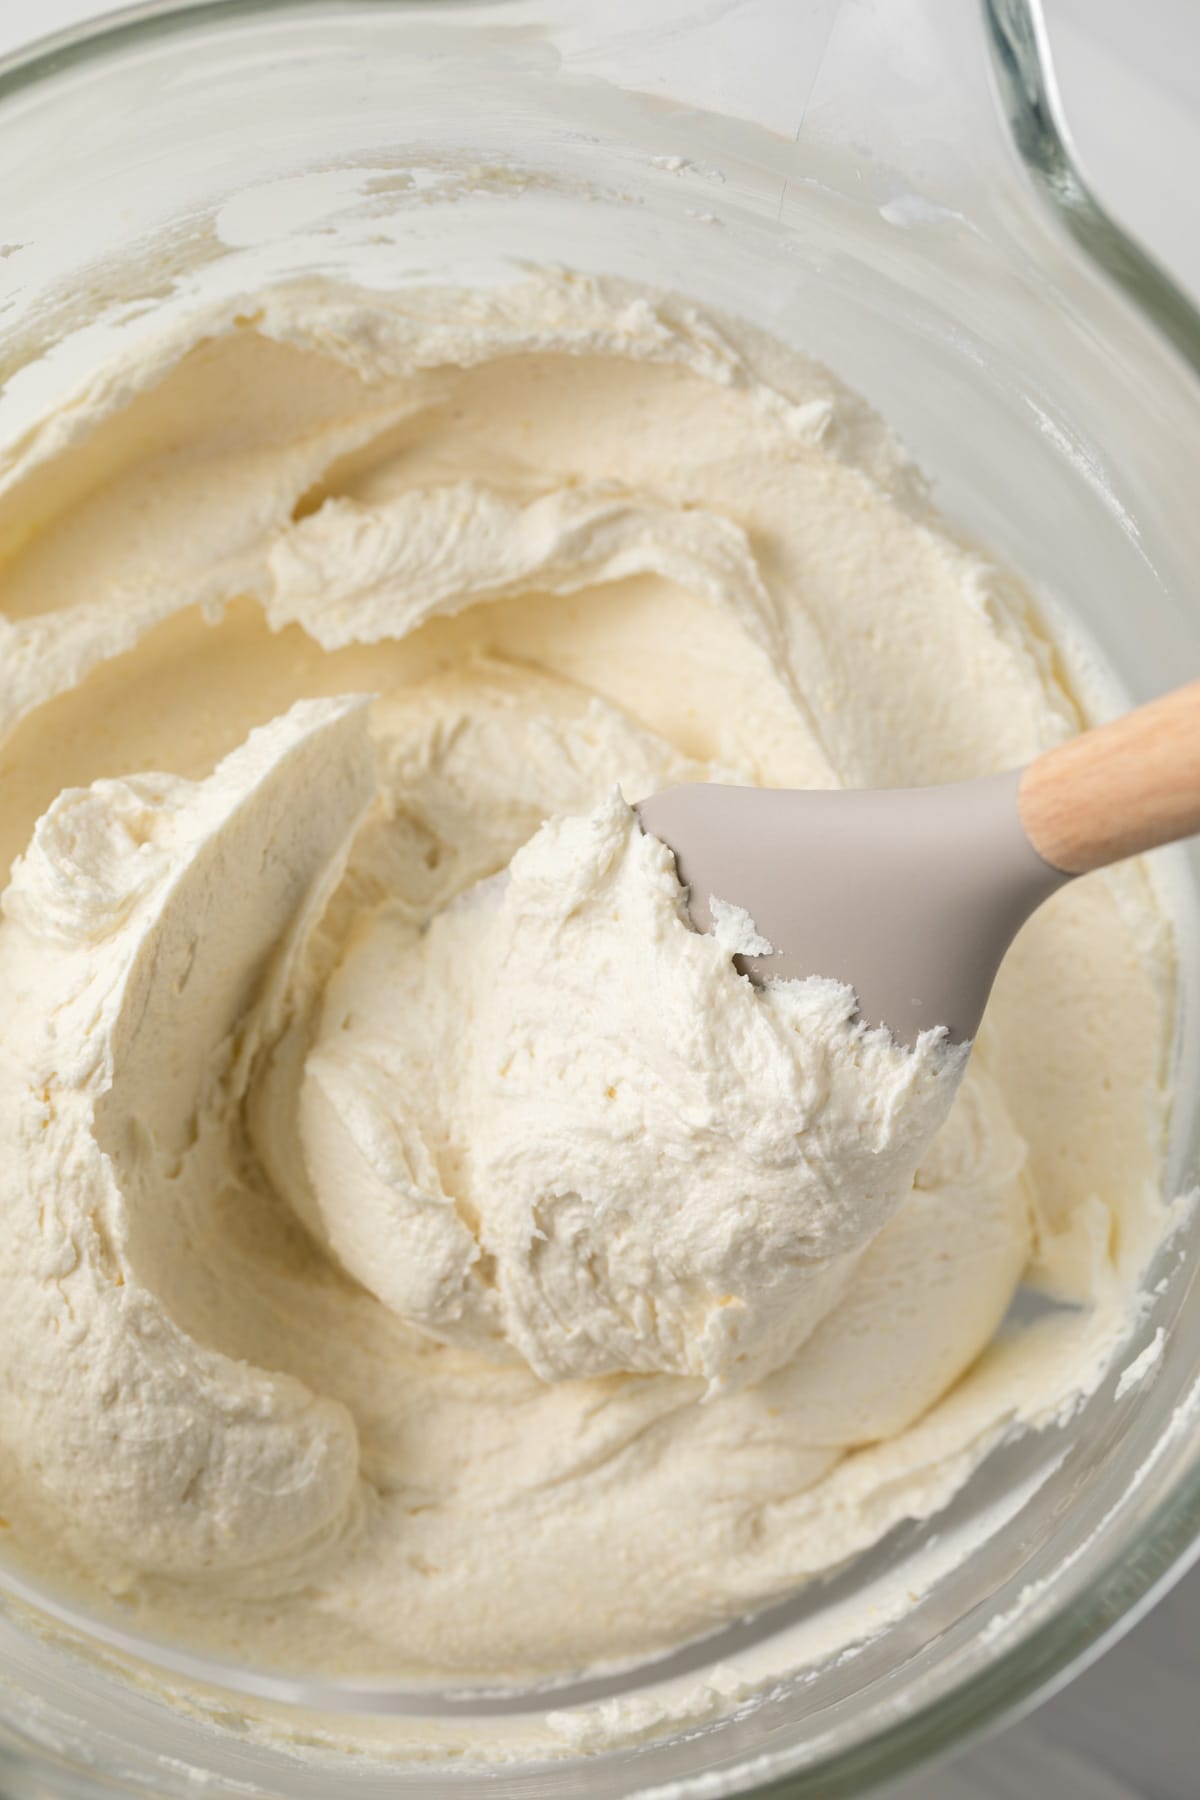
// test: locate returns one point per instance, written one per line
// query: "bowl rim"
(1137, 1576)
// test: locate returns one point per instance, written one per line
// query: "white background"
(1129, 1728)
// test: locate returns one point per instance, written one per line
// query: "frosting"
(424, 1253)
(560, 1118)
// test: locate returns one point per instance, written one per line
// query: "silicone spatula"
(912, 896)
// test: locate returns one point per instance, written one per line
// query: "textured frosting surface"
(422, 1253)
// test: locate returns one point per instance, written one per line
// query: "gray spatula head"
(909, 895)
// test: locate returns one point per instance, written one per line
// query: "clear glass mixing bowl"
(889, 188)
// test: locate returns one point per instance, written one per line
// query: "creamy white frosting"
(405, 1274)
(559, 1117)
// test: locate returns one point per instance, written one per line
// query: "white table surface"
(1129, 1727)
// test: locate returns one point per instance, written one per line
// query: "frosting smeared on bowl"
(409, 1275)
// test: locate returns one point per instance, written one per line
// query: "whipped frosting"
(423, 1253)
(561, 1121)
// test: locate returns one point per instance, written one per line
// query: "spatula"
(912, 896)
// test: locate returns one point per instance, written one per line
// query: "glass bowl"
(890, 189)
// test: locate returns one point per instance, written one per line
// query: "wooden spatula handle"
(1118, 790)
